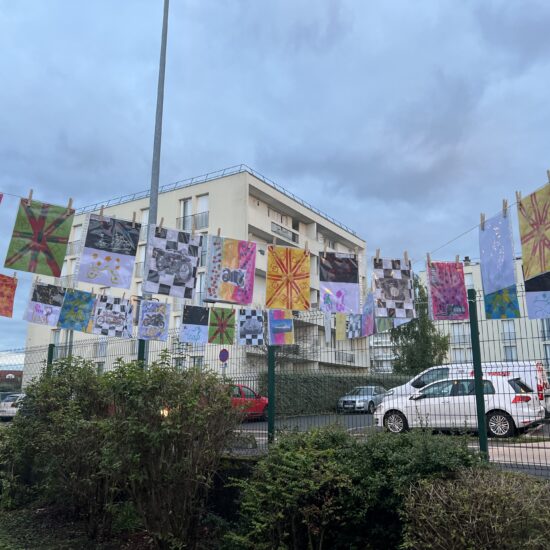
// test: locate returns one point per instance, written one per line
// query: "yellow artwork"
(341, 319)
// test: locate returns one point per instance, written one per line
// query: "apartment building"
(239, 203)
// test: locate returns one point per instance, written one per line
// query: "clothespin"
(219, 231)
(377, 257)
(518, 197)
(103, 291)
(134, 219)
(406, 258)
(101, 214)
(161, 222)
(30, 198)
(457, 260)
(504, 207)
(428, 260)
(306, 246)
(70, 204)
(482, 221)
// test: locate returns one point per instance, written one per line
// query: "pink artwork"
(447, 291)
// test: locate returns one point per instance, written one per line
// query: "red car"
(243, 398)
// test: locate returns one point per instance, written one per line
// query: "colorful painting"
(288, 273)
(393, 289)
(45, 304)
(537, 296)
(447, 291)
(341, 328)
(383, 324)
(7, 295)
(367, 318)
(154, 319)
(339, 282)
(221, 326)
(251, 327)
(77, 309)
(353, 325)
(194, 325)
(281, 327)
(40, 237)
(534, 230)
(109, 252)
(502, 304)
(113, 317)
(171, 263)
(230, 271)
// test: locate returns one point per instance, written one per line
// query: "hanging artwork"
(109, 252)
(353, 326)
(367, 318)
(45, 304)
(341, 320)
(194, 325)
(251, 327)
(339, 282)
(327, 321)
(76, 311)
(383, 324)
(172, 259)
(537, 296)
(447, 291)
(534, 230)
(288, 272)
(502, 304)
(221, 326)
(230, 271)
(113, 317)
(7, 295)
(40, 236)
(393, 289)
(281, 327)
(154, 319)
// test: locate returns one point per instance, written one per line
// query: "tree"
(418, 345)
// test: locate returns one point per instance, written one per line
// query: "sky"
(402, 119)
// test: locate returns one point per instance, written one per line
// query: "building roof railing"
(237, 169)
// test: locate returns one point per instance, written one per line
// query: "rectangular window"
(144, 216)
(469, 280)
(545, 328)
(202, 204)
(185, 214)
(77, 233)
(510, 353)
(508, 330)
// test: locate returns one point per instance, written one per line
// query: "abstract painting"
(502, 304)
(534, 230)
(231, 267)
(339, 282)
(341, 328)
(353, 325)
(7, 295)
(288, 273)
(537, 296)
(251, 327)
(40, 237)
(447, 291)
(113, 317)
(194, 325)
(77, 309)
(367, 318)
(280, 326)
(172, 259)
(109, 252)
(383, 324)
(393, 289)
(45, 304)
(154, 318)
(221, 326)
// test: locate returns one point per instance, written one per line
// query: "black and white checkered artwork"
(171, 262)
(251, 327)
(113, 317)
(393, 292)
(353, 325)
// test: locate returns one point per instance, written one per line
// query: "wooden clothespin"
(306, 246)
(518, 197)
(428, 260)
(377, 257)
(134, 219)
(101, 214)
(30, 198)
(70, 204)
(219, 231)
(457, 260)
(161, 222)
(504, 207)
(406, 258)
(482, 221)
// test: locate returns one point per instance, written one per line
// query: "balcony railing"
(344, 357)
(284, 232)
(73, 248)
(196, 221)
(508, 336)
(461, 339)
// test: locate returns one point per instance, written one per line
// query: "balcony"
(508, 336)
(344, 357)
(74, 248)
(194, 221)
(284, 232)
(461, 339)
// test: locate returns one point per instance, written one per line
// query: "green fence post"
(141, 351)
(478, 375)
(49, 360)
(271, 394)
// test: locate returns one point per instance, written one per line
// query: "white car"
(510, 404)
(10, 405)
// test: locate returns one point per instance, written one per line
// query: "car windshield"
(360, 391)
(9, 398)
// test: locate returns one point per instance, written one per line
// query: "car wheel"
(371, 408)
(500, 424)
(395, 422)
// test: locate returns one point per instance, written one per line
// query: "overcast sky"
(403, 119)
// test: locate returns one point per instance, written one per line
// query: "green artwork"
(221, 326)
(502, 304)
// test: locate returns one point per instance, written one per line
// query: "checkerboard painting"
(353, 325)
(194, 325)
(113, 317)
(45, 304)
(251, 327)
(393, 289)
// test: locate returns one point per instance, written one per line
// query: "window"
(545, 328)
(235, 392)
(461, 355)
(469, 280)
(248, 393)
(430, 376)
(144, 216)
(185, 208)
(508, 330)
(440, 389)
(510, 353)
(77, 232)
(460, 334)
(202, 204)
(519, 386)
(198, 362)
(100, 366)
(177, 321)
(296, 225)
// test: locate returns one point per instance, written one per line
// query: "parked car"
(510, 404)
(10, 405)
(245, 398)
(361, 399)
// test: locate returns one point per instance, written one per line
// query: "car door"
(378, 395)
(430, 407)
(462, 405)
(433, 375)
(253, 405)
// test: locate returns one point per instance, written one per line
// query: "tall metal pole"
(155, 170)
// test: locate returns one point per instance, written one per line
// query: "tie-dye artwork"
(221, 326)
(534, 230)
(447, 291)
(194, 325)
(502, 304)
(231, 267)
(281, 327)
(367, 318)
(353, 325)
(251, 327)
(40, 237)
(109, 252)
(393, 289)
(154, 319)
(341, 325)
(45, 304)
(7, 295)
(537, 297)
(113, 317)
(77, 309)
(288, 275)
(339, 282)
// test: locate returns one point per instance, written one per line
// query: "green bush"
(479, 510)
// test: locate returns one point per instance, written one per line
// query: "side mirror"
(416, 396)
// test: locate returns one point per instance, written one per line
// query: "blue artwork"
(76, 311)
(537, 296)
(502, 304)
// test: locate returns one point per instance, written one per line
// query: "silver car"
(361, 399)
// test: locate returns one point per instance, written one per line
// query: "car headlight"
(359, 403)
(390, 392)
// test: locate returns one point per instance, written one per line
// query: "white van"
(531, 372)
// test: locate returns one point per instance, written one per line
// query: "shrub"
(479, 510)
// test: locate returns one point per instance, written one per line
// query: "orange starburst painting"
(288, 272)
(534, 230)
